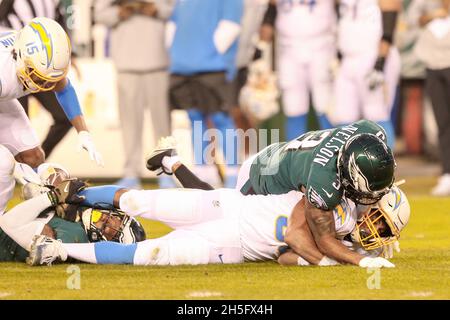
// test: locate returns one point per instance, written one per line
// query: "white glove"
(325, 262)
(377, 262)
(85, 142)
(388, 250)
(375, 79)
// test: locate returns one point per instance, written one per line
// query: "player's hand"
(377, 262)
(85, 142)
(375, 79)
(67, 192)
(388, 250)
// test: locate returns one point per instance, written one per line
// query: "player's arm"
(68, 99)
(268, 25)
(299, 237)
(389, 12)
(321, 224)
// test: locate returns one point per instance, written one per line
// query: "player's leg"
(61, 125)
(7, 182)
(175, 207)
(131, 112)
(295, 94)
(347, 97)
(17, 134)
(179, 247)
(21, 223)
(322, 85)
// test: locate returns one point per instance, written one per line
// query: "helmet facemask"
(33, 81)
(375, 230)
(111, 225)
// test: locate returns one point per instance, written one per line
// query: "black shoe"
(154, 161)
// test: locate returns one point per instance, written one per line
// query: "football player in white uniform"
(305, 31)
(36, 59)
(370, 67)
(223, 226)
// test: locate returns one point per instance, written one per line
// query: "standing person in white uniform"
(370, 67)
(305, 31)
(36, 59)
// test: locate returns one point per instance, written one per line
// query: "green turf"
(422, 271)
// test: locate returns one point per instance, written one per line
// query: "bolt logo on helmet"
(394, 210)
(366, 168)
(42, 51)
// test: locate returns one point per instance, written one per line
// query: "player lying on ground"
(36, 59)
(325, 165)
(36, 215)
(223, 226)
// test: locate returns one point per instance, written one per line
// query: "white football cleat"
(442, 189)
(45, 250)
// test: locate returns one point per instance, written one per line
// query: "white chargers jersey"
(360, 26)
(300, 19)
(263, 222)
(10, 86)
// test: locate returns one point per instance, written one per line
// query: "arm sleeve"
(68, 100)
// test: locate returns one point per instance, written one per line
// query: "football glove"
(377, 262)
(85, 142)
(67, 192)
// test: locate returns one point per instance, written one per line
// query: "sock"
(390, 133)
(99, 195)
(324, 122)
(81, 251)
(295, 126)
(168, 162)
(189, 180)
(107, 252)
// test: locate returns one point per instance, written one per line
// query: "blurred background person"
(202, 39)
(305, 32)
(409, 117)
(140, 57)
(248, 51)
(15, 15)
(433, 48)
(368, 75)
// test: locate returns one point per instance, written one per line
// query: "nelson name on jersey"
(326, 153)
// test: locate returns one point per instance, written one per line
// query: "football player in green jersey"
(353, 160)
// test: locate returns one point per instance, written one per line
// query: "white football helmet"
(394, 209)
(259, 97)
(128, 231)
(42, 51)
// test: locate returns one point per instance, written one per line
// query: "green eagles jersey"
(66, 231)
(310, 161)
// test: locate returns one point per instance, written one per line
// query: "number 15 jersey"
(308, 164)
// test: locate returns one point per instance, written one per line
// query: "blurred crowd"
(234, 64)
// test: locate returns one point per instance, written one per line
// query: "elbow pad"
(389, 22)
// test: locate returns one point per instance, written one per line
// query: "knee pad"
(7, 161)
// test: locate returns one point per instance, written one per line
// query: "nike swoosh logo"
(328, 194)
(220, 257)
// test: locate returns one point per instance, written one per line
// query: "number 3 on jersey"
(280, 228)
(308, 140)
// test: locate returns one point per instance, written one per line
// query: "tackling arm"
(321, 224)
(298, 236)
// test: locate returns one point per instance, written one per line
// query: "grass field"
(422, 271)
